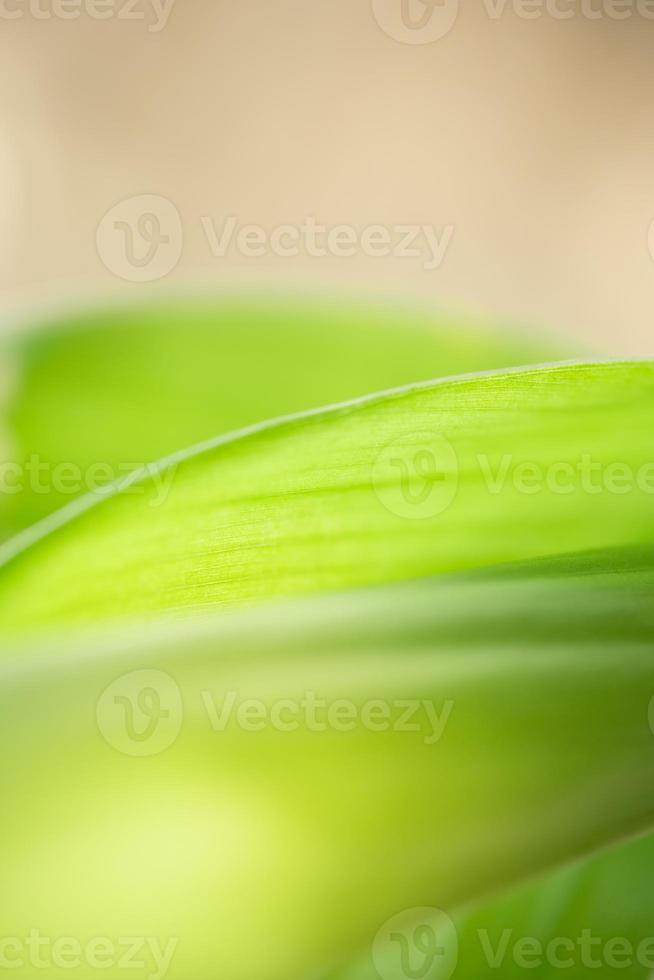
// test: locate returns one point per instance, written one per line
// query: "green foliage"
(304, 677)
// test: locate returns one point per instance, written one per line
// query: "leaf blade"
(357, 825)
(301, 505)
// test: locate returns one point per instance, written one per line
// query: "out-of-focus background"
(521, 137)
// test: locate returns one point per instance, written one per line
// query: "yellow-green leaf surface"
(91, 396)
(593, 918)
(427, 479)
(286, 851)
(277, 843)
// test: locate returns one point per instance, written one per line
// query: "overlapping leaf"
(95, 395)
(421, 480)
(279, 849)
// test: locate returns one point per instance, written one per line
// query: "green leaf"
(88, 398)
(421, 480)
(279, 852)
(590, 919)
(596, 915)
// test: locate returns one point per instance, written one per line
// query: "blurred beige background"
(532, 138)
